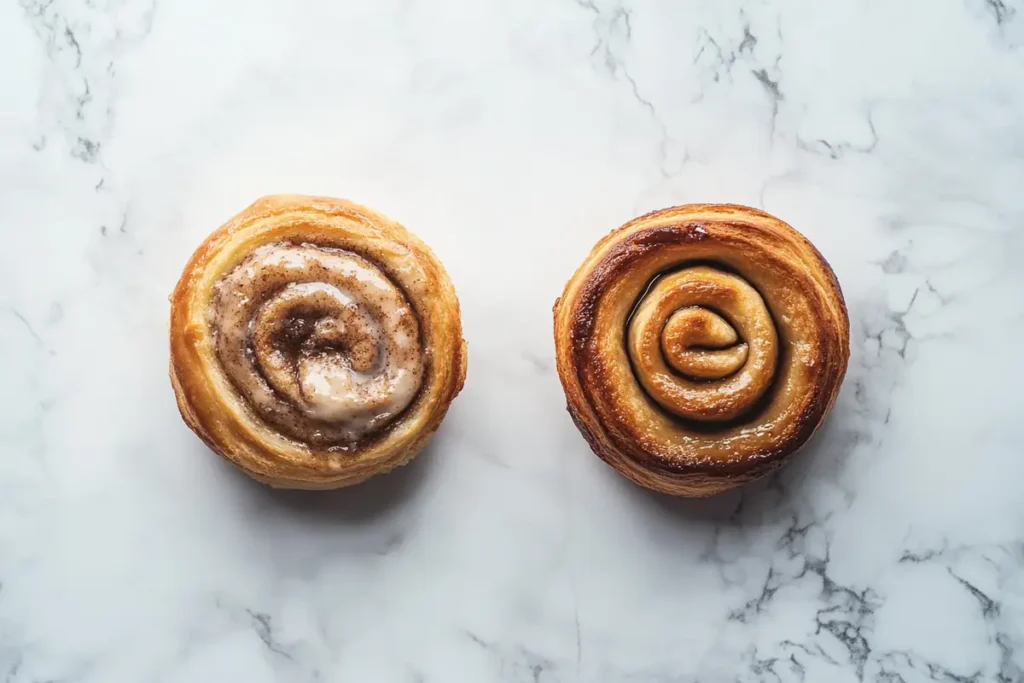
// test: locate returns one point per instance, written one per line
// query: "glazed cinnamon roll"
(700, 346)
(314, 342)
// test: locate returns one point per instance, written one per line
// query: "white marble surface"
(511, 135)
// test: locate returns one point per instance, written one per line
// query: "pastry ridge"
(230, 421)
(695, 436)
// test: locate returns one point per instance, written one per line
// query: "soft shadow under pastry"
(700, 346)
(314, 342)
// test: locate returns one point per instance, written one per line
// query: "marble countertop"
(510, 136)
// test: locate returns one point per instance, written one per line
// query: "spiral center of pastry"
(319, 341)
(699, 343)
(703, 344)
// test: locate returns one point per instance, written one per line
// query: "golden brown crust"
(729, 407)
(226, 420)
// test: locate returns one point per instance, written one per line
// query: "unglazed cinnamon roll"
(700, 346)
(314, 342)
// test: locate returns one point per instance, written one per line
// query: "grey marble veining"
(511, 136)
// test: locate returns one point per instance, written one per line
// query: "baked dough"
(314, 342)
(700, 346)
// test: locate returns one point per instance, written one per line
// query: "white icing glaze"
(319, 341)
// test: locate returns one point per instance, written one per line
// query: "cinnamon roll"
(314, 342)
(700, 346)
